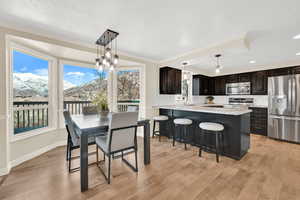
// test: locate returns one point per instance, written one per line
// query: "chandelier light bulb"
(218, 69)
(112, 68)
(116, 59)
(100, 67)
(97, 62)
(107, 52)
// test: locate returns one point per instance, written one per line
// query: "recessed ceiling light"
(298, 54)
(252, 61)
(296, 37)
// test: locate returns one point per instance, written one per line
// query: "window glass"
(30, 92)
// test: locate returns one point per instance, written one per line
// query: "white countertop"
(207, 109)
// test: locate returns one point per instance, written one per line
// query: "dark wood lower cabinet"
(259, 121)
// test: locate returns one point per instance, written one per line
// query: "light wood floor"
(271, 170)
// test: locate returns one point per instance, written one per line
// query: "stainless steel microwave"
(238, 88)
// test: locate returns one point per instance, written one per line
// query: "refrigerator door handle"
(294, 90)
(290, 95)
(284, 117)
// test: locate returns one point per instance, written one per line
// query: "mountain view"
(33, 87)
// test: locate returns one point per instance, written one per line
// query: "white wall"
(4, 145)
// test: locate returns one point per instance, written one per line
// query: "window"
(81, 86)
(30, 92)
(128, 89)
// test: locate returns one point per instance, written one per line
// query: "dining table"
(93, 125)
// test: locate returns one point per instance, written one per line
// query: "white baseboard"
(5, 171)
(36, 153)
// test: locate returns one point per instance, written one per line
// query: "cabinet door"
(259, 121)
(196, 85)
(279, 72)
(259, 83)
(245, 77)
(163, 78)
(220, 85)
(296, 70)
(170, 80)
(177, 82)
(232, 78)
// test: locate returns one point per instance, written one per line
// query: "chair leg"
(109, 165)
(68, 146)
(200, 152)
(70, 160)
(97, 155)
(217, 147)
(136, 160)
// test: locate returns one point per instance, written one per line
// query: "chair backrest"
(70, 127)
(89, 110)
(132, 108)
(123, 138)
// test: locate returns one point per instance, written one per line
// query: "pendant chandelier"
(218, 67)
(107, 57)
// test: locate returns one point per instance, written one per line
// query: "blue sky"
(24, 63)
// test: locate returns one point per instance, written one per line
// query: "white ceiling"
(65, 52)
(161, 30)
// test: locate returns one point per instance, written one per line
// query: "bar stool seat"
(209, 126)
(159, 119)
(183, 121)
(217, 130)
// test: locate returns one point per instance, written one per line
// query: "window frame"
(52, 91)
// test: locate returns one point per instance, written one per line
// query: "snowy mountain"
(31, 85)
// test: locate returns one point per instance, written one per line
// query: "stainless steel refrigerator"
(284, 108)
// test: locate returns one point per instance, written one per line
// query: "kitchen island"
(236, 121)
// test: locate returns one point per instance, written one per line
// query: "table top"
(91, 122)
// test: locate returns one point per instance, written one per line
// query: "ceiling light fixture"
(184, 63)
(218, 67)
(252, 61)
(296, 37)
(107, 57)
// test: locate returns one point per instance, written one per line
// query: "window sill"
(29, 134)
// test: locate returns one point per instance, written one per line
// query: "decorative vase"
(104, 114)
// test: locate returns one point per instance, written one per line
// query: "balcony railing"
(33, 115)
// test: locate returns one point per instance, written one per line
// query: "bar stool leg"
(159, 130)
(174, 134)
(217, 147)
(184, 140)
(153, 131)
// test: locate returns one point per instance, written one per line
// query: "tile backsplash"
(260, 100)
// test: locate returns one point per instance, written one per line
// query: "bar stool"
(160, 119)
(217, 130)
(182, 123)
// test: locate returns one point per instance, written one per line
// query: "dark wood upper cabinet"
(232, 78)
(220, 85)
(244, 77)
(280, 71)
(169, 80)
(295, 70)
(259, 83)
(202, 85)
